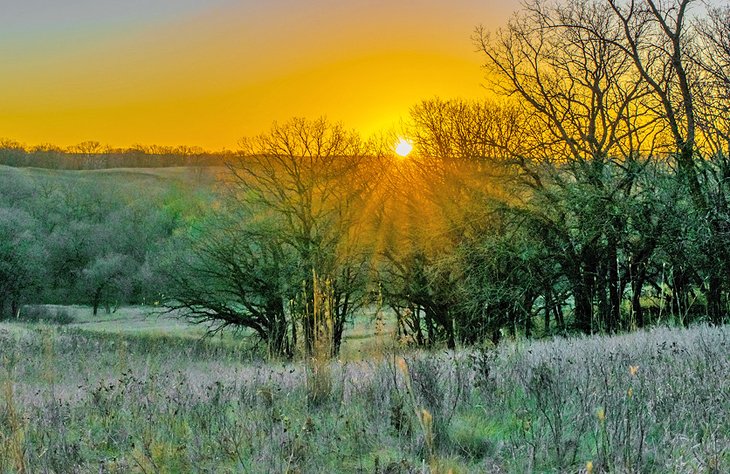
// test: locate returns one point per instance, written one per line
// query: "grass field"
(128, 392)
(189, 175)
(359, 338)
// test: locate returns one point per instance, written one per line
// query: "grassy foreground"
(79, 400)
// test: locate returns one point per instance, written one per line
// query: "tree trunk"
(547, 309)
(96, 300)
(637, 283)
(559, 317)
(680, 297)
(339, 324)
(614, 297)
(450, 338)
(430, 329)
(416, 315)
(527, 309)
(308, 327)
(445, 319)
(277, 334)
(583, 308)
(293, 332)
(714, 299)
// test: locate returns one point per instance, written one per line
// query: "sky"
(208, 72)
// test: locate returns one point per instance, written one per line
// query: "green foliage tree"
(20, 260)
(84, 239)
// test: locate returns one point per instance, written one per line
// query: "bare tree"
(566, 64)
(290, 217)
(713, 57)
(656, 36)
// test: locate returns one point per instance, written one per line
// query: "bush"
(45, 314)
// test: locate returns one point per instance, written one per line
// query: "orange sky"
(209, 72)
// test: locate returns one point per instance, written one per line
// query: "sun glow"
(403, 148)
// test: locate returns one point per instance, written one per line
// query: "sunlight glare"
(403, 148)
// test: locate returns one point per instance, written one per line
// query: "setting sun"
(403, 148)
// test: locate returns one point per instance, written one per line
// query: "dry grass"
(77, 401)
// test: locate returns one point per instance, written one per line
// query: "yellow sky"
(207, 73)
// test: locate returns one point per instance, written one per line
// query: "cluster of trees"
(92, 155)
(610, 151)
(591, 196)
(84, 239)
(625, 157)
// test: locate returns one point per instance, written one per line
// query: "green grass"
(133, 319)
(359, 337)
(131, 392)
(181, 174)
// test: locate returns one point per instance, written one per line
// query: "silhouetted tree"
(289, 219)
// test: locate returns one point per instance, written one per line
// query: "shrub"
(45, 314)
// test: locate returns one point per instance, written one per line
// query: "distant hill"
(97, 157)
(180, 175)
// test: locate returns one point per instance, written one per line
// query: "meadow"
(132, 392)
